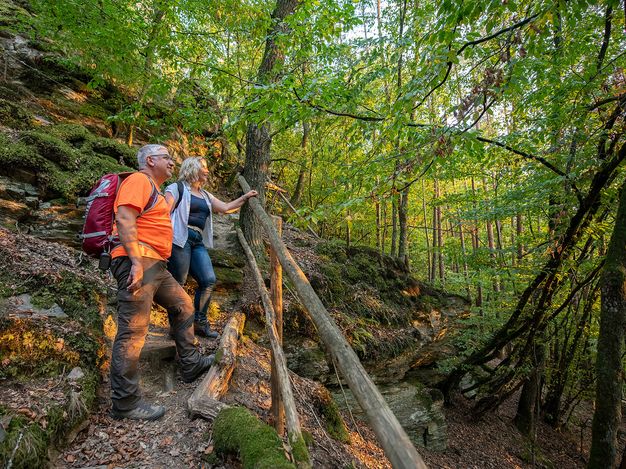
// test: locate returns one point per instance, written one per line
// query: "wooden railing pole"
(276, 285)
(392, 437)
(294, 433)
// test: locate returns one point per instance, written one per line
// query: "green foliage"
(26, 350)
(29, 441)
(237, 431)
(27, 444)
(12, 16)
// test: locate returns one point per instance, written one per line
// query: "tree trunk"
(394, 225)
(304, 161)
(428, 253)
(610, 376)
(403, 209)
(528, 406)
(258, 138)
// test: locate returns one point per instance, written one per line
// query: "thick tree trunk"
(609, 371)
(258, 137)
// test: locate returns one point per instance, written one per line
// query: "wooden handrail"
(392, 437)
(294, 433)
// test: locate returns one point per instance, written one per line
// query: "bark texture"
(610, 375)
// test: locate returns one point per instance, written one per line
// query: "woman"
(191, 212)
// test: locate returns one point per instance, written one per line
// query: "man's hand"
(135, 277)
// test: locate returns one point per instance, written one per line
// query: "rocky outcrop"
(418, 409)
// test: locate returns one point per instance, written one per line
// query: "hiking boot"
(198, 369)
(203, 329)
(143, 411)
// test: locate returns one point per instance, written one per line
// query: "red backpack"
(97, 235)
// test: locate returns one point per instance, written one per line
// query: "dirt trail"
(173, 441)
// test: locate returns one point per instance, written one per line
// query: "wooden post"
(294, 434)
(389, 432)
(276, 285)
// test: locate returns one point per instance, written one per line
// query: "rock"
(75, 374)
(16, 190)
(32, 202)
(467, 381)
(12, 211)
(22, 305)
(418, 409)
(58, 223)
(308, 360)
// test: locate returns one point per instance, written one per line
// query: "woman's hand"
(250, 194)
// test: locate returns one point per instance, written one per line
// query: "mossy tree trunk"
(258, 137)
(609, 371)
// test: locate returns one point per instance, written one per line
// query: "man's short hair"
(146, 151)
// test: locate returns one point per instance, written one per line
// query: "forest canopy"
(480, 143)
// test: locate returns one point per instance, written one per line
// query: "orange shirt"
(154, 227)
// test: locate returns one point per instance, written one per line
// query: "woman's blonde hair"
(190, 169)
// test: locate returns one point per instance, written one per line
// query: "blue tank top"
(198, 212)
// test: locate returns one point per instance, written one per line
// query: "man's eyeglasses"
(165, 156)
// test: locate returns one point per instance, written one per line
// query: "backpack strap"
(154, 197)
(152, 201)
(181, 190)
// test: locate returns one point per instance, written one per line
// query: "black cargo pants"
(133, 318)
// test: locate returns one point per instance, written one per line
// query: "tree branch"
(498, 33)
(608, 16)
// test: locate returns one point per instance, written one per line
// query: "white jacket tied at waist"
(180, 216)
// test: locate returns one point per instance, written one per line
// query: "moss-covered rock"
(74, 134)
(52, 148)
(120, 152)
(15, 115)
(237, 431)
(11, 16)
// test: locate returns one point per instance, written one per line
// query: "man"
(142, 222)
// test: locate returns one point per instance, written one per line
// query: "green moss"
(79, 298)
(219, 355)
(300, 451)
(333, 422)
(51, 148)
(11, 16)
(228, 277)
(25, 445)
(28, 350)
(120, 152)
(74, 134)
(237, 431)
(14, 115)
(222, 258)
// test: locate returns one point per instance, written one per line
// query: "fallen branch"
(204, 401)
